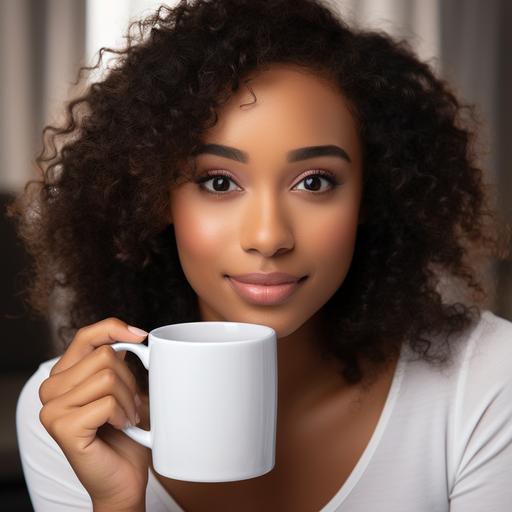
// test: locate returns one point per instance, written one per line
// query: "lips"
(266, 279)
(263, 294)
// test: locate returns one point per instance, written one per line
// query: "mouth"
(267, 295)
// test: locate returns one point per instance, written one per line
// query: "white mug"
(212, 400)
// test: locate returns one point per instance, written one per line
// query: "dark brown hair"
(95, 222)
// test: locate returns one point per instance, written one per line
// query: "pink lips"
(263, 294)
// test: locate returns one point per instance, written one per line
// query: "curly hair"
(96, 222)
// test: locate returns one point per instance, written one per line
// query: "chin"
(282, 331)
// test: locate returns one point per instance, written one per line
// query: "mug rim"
(266, 332)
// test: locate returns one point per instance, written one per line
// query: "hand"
(88, 397)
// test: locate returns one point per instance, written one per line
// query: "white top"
(443, 441)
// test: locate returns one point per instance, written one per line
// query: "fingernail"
(138, 401)
(137, 418)
(137, 331)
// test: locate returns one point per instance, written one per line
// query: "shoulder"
(478, 370)
(481, 447)
(484, 347)
(487, 357)
(482, 363)
(492, 336)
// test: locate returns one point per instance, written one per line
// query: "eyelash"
(208, 175)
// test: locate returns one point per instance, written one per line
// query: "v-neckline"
(365, 458)
(358, 469)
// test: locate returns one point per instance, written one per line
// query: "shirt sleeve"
(52, 484)
(483, 440)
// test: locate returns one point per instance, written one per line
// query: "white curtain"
(41, 45)
(15, 95)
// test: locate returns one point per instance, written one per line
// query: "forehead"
(284, 106)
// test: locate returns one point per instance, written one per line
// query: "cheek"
(332, 241)
(199, 239)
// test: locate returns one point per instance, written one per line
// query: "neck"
(304, 376)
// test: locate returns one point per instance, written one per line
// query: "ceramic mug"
(212, 400)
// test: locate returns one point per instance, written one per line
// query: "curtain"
(41, 44)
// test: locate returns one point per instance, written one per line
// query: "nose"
(266, 226)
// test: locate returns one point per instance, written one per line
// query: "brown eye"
(220, 182)
(313, 181)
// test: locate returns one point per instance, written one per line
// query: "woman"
(238, 137)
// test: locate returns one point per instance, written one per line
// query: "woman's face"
(273, 212)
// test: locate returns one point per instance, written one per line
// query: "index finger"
(107, 331)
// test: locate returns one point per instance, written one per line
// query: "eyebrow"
(294, 155)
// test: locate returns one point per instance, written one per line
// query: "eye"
(313, 178)
(221, 181)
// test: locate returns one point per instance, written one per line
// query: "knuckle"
(54, 426)
(44, 416)
(54, 369)
(80, 332)
(43, 393)
(110, 402)
(113, 321)
(106, 354)
(108, 377)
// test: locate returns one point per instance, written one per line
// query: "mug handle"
(139, 435)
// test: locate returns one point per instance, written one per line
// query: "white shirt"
(443, 441)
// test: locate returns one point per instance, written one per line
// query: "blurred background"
(44, 42)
